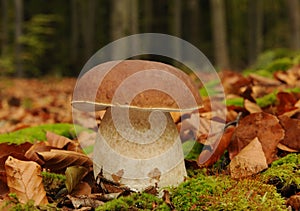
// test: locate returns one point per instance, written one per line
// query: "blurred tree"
(219, 33)
(4, 31)
(36, 45)
(175, 24)
(293, 11)
(124, 21)
(192, 22)
(18, 34)
(255, 24)
(74, 43)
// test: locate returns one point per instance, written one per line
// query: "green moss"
(38, 133)
(238, 101)
(53, 183)
(222, 193)
(191, 149)
(267, 100)
(270, 61)
(284, 174)
(210, 88)
(136, 201)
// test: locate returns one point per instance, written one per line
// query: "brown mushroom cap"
(97, 88)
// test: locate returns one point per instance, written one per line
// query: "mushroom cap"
(137, 84)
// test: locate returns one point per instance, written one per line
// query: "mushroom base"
(141, 154)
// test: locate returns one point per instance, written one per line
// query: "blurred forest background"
(55, 37)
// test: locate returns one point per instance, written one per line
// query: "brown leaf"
(250, 160)
(62, 142)
(264, 81)
(74, 175)
(59, 160)
(31, 153)
(24, 179)
(207, 157)
(251, 107)
(294, 202)
(262, 125)
(292, 132)
(57, 141)
(286, 102)
(84, 201)
(83, 188)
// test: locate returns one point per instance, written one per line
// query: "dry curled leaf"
(59, 160)
(250, 160)
(209, 157)
(74, 175)
(85, 201)
(292, 132)
(262, 125)
(24, 179)
(251, 107)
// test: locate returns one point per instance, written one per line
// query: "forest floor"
(261, 141)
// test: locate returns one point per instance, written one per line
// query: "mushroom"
(137, 143)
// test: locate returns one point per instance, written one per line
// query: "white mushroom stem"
(139, 163)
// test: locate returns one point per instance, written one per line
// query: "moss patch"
(284, 174)
(38, 133)
(222, 193)
(136, 201)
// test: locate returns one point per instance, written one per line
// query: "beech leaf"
(24, 179)
(292, 132)
(59, 160)
(250, 160)
(262, 125)
(74, 175)
(218, 147)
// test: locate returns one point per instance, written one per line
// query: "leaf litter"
(262, 114)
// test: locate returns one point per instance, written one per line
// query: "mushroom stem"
(135, 157)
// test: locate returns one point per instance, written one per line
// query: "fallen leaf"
(251, 107)
(74, 175)
(59, 160)
(84, 201)
(262, 125)
(56, 140)
(24, 179)
(286, 102)
(285, 148)
(82, 188)
(294, 202)
(31, 153)
(263, 80)
(292, 132)
(209, 157)
(249, 161)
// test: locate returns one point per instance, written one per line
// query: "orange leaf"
(24, 179)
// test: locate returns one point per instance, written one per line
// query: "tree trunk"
(193, 27)
(88, 25)
(294, 17)
(74, 32)
(124, 21)
(176, 26)
(255, 23)
(18, 34)
(219, 33)
(4, 35)
(148, 17)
